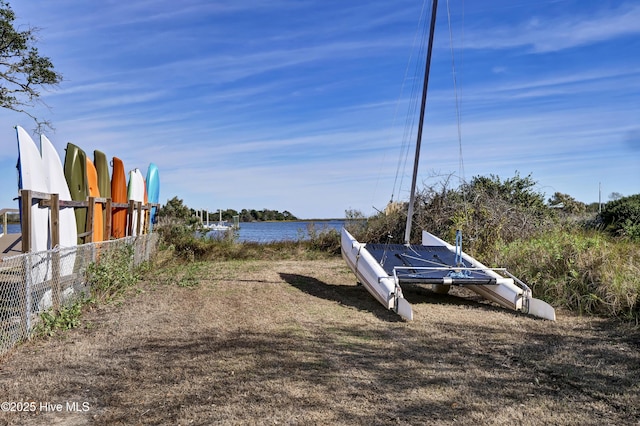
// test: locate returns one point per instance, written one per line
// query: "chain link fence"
(33, 283)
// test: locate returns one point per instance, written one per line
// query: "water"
(265, 232)
(13, 228)
(261, 232)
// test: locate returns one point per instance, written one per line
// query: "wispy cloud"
(551, 34)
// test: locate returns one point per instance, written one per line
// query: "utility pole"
(599, 197)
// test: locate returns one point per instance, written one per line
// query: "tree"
(23, 71)
(176, 209)
(615, 196)
(288, 216)
(517, 191)
(567, 203)
(622, 216)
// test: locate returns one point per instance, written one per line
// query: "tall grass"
(583, 271)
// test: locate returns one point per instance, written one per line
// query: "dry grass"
(296, 342)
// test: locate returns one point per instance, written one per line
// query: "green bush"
(622, 216)
(65, 318)
(112, 273)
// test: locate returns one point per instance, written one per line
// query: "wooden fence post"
(108, 218)
(55, 254)
(26, 200)
(90, 212)
(130, 211)
(139, 213)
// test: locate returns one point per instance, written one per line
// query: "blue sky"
(301, 105)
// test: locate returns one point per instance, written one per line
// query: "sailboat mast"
(416, 159)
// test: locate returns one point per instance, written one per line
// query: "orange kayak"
(118, 195)
(94, 191)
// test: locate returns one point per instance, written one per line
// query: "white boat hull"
(373, 277)
(57, 184)
(135, 192)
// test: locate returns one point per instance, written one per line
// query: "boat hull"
(104, 180)
(57, 184)
(94, 191)
(75, 172)
(153, 192)
(135, 192)
(32, 176)
(373, 277)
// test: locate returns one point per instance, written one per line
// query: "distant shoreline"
(308, 220)
(296, 220)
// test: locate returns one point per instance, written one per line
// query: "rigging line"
(404, 140)
(409, 122)
(418, 40)
(461, 172)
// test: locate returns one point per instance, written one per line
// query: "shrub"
(325, 240)
(622, 216)
(584, 271)
(112, 273)
(179, 231)
(64, 318)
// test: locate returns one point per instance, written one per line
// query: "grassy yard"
(297, 342)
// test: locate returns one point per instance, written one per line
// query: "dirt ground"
(297, 342)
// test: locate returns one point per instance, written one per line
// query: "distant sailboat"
(382, 268)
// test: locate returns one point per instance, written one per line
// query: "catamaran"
(383, 268)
